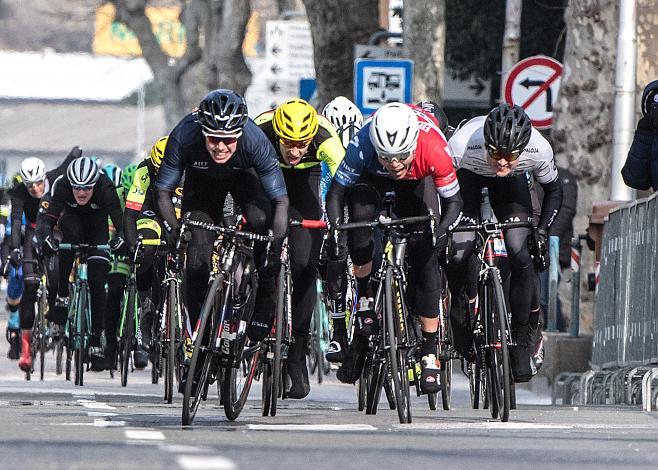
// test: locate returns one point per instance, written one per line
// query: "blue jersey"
(360, 157)
(186, 151)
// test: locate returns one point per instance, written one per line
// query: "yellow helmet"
(157, 151)
(295, 120)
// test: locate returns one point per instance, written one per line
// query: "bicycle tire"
(80, 350)
(375, 386)
(126, 343)
(390, 396)
(499, 363)
(234, 402)
(191, 403)
(41, 315)
(59, 356)
(362, 384)
(173, 313)
(278, 365)
(446, 384)
(396, 356)
(266, 386)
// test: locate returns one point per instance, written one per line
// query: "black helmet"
(649, 97)
(223, 111)
(507, 129)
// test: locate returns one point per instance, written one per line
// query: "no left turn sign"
(533, 84)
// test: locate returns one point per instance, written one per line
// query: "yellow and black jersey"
(326, 146)
(141, 197)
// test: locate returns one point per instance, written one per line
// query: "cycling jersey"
(468, 152)
(186, 151)
(326, 145)
(431, 158)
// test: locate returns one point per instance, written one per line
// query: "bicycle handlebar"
(83, 246)
(309, 224)
(386, 222)
(231, 231)
(492, 227)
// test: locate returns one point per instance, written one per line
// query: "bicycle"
(220, 350)
(319, 336)
(169, 324)
(78, 323)
(391, 352)
(41, 340)
(492, 336)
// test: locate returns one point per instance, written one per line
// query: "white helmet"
(394, 130)
(32, 170)
(345, 117)
(83, 171)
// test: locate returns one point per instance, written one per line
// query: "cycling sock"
(363, 286)
(338, 322)
(12, 308)
(429, 344)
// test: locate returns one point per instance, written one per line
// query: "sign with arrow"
(533, 84)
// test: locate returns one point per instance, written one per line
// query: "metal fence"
(626, 319)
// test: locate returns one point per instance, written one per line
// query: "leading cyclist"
(400, 149)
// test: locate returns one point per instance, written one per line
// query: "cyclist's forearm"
(451, 211)
(15, 233)
(550, 204)
(334, 204)
(280, 216)
(130, 226)
(166, 208)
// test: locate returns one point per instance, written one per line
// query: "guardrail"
(625, 344)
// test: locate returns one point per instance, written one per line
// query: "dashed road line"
(311, 427)
(195, 462)
(144, 434)
(95, 405)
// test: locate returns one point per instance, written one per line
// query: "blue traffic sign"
(307, 89)
(377, 82)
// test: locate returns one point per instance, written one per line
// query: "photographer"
(641, 168)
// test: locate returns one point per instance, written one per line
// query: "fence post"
(554, 250)
(576, 251)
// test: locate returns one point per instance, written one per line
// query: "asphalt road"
(54, 424)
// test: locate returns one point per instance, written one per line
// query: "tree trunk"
(582, 129)
(336, 26)
(425, 37)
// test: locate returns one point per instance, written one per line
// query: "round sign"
(533, 84)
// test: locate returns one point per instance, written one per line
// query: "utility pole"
(624, 111)
(511, 40)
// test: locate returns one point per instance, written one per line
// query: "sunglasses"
(85, 188)
(217, 139)
(33, 184)
(395, 156)
(299, 144)
(510, 157)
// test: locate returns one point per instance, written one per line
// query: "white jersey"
(468, 152)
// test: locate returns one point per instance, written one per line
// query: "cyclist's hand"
(117, 244)
(273, 258)
(172, 238)
(441, 239)
(542, 257)
(16, 257)
(50, 246)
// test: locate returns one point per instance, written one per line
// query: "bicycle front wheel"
(237, 382)
(80, 352)
(41, 318)
(397, 356)
(173, 314)
(126, 343)
(499, 363)
(200, 364)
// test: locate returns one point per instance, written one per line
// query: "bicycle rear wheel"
(79, 355)
(397, 356)
(498, 365)
(203, 355)
(126, 342)
(173, 314)
(41, 316)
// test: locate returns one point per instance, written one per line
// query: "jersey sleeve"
(262, 157)
(137, 193)
(173, 163)
(544, 170)
(331, 150)
(350, 168)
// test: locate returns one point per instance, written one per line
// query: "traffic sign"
(533, 84)
(366, 51)
(308, 89)
(377, 82)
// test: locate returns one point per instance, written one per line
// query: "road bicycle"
(221, 352)
(41, 340)
(78, 324)
(490, 377)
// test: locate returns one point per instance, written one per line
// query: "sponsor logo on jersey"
(531, 150)
(148, 213)
(200, 165)
(474, 147)
(95, 206)
(45, 204)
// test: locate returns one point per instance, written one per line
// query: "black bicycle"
(221, 352)
(490, 376)
(392, 353)
(41, 341)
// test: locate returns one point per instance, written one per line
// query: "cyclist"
(302, 141)
(222, 151)
(141, 218)
(80, 203)
(400, 149)
(13, 275)
(495, 151)
(347, 119)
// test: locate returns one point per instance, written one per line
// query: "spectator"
(641, 168)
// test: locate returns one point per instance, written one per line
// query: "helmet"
(295, 120)
(394, 129)
(649, 97)
(157, 151)
(223, 112)
(507, 129)
(127, 176)
(345, 117)
(83, 171)
(114, 173)
(97, 160)
(32, 170)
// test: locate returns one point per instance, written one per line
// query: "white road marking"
(181, 449)
(100, 414)
(480, 425)
(144, 434)
(195, 462)
(311, 427)
(95, 405)
(99, 423)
